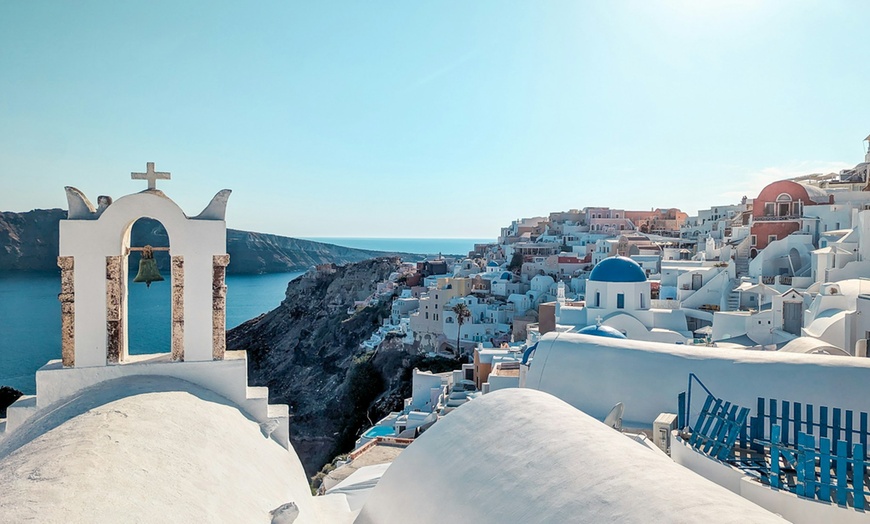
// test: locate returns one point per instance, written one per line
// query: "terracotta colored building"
(778, 211)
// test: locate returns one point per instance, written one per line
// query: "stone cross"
(150, 175)
(598, 320)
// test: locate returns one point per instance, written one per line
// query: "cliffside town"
(310, 353)
(761, 274)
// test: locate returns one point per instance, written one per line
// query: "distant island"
(29, 242)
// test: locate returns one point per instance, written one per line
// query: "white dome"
(518, 455)
(148, 449)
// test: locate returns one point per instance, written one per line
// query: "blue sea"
(30, 318)
(30, 311)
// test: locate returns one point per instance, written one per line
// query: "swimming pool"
(380, 431)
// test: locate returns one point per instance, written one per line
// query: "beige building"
(428, 322)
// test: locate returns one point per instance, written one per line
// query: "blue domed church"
(618, 296)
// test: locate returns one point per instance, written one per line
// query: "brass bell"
(148, 268)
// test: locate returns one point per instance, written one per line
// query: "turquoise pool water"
(380, 431)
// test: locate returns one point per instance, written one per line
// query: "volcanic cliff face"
(29, 242)
(263, 253)
(307, 351)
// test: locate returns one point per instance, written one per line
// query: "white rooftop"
(151, 449)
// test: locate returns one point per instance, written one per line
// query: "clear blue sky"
(427, 119)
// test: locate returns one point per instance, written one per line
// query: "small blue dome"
(507, 275)
(492, 263)
(618, 269)
(602, 331)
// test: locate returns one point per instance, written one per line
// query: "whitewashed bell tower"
(94, 246)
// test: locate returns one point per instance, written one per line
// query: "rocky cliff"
(307, 351)
(263, 253)
(29, 242)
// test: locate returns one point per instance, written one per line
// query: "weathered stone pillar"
(219, 306)
(67, 310)
(177, 268)
(114, 305)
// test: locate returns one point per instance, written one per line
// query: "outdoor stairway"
(741, 266)
(741, 259)
(733, 300)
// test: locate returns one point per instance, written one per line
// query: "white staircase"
(741, 259)
(733, 299)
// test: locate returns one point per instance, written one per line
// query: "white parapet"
(228, 378)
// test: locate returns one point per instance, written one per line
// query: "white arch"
(90, 241)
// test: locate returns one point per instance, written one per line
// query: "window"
(620, 301)
(641, 301)
(427, 315)
(769, 209)
(752, 240)
(771, 238)
(436, 306)
(597, 299)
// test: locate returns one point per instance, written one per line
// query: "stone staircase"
(733, 299)
(741, 259)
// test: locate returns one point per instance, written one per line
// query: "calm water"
(30, 318)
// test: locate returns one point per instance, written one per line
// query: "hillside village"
(619, 365)
(778, 271)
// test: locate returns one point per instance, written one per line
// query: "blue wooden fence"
(815, 451)
(830, 474)
(718, 427)
(795, 418)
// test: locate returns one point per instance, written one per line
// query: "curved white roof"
(813, 346)
(816, 194)
(148, 449)
(594, 373)
(518, 455)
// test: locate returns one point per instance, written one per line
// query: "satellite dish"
(614, 418)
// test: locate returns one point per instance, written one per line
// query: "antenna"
(614, 418)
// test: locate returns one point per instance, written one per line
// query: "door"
(791, 317)
(697, 281)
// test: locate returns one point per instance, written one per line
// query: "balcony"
(774, 218)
